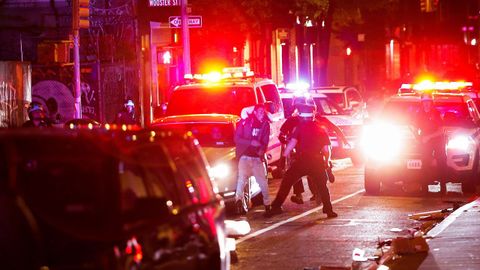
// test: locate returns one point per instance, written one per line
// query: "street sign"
(164, 3)
(193, 21)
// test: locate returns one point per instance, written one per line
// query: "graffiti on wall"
(54, 89)
(8, 105)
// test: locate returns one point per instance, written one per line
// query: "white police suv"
(394, 152)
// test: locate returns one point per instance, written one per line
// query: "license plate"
(414, 164)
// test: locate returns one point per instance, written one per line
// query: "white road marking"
(449, 220)
(304, 214)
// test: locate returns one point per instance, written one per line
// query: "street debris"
(358, 255)
(391, 251)
(431, 215)
(403, 245)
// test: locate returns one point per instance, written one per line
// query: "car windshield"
(336, 97)
(453, 113)
(208, 134)
(324, 106)
(218, 99)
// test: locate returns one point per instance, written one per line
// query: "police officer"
(286, 131)
(127, 114)
(313, 154)
(430, 133)
(37, 116)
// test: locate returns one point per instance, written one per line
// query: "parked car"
(211, 110)
(82, 123)
(394, 152)
(348, 98)
(98, 199)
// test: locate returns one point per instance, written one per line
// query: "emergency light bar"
(433, 86)
(228, 73)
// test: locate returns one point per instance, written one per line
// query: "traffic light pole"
(76, 74)
(186, 39)
(80, 19)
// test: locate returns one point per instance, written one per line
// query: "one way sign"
(193, 21)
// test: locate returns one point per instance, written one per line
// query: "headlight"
(381, 142)
(221, 170)
(460, 142)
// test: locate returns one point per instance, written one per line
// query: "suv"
(347, 97)
(350, 126)
(107, 200)
(394, 152)
(211, 110)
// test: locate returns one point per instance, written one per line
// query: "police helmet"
(35, 107)
(129, 102)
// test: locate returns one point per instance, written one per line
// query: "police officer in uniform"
(286, 131)
(37, 116)
(429, 123)
(127, 114)
(313, 155)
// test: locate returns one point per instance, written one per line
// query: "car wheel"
(372, 182)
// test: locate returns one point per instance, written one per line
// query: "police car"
(210, 106)
(347, 97)
(393, 150)
(350, 125)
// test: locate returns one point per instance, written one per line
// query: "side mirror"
(269, 106)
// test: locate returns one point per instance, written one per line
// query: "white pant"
(252, 166)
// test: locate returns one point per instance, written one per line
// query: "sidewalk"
(455, 242)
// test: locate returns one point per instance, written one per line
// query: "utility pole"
(186, 39)
(80, 14)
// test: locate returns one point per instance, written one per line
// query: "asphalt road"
(304, 238)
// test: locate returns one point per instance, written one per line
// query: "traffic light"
(81, 14)
(165, 57)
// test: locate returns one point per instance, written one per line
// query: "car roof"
(293, 94)
(444, 97)
(333, 89)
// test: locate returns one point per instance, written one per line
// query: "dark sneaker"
(239, 208)
(268, 208)
(296, 199)
(273, 211)
(330, 214)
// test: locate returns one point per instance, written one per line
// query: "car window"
(338, 98)
(353, 97)
(473, 111)
(81, 175)
(217, 99)
(190, 172)
(288, 106)
(326, 107)
(271, 94)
